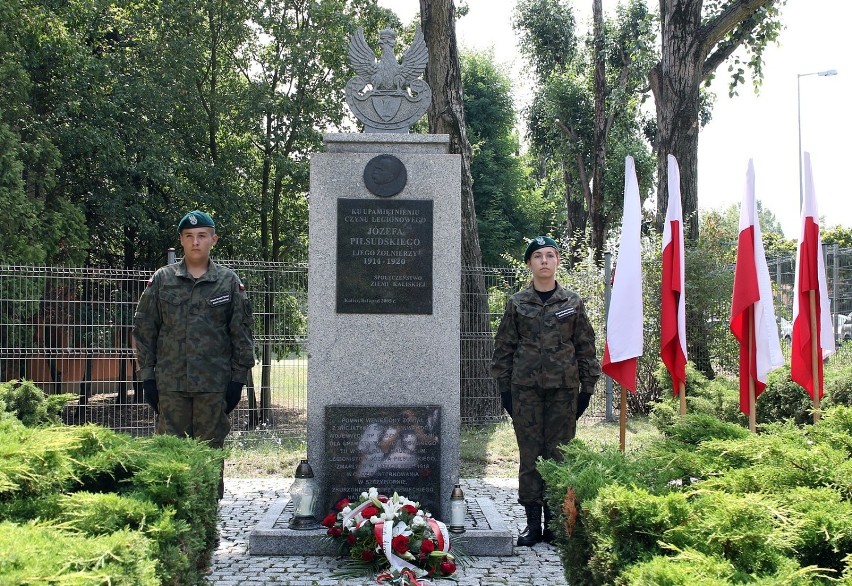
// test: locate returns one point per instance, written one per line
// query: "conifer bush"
(40, 554)
(145, 508)
(709, 503)
(30, 404)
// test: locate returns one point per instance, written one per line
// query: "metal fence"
(69, 330)
(838, 274)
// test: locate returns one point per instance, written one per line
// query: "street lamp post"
(799, 76)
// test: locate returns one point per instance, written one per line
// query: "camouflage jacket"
(546, 345)
(194, 335)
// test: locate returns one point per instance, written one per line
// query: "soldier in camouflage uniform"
(194, 344)
(546, 369)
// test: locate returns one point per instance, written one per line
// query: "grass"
(488, 450)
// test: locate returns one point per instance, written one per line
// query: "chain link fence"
(69, 330)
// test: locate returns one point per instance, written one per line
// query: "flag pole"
(752, 409)
(682, 392)
(622, 420)
(814, 354)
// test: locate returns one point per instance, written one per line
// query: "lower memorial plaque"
(384, 256)
(394, 449)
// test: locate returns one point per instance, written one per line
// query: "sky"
(764, 128)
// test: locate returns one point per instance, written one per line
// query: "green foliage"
(710, 344)
(838, 385)
(625, 525)
(694, 568)
(710, 503)
(695, 428)
(508, 207)
(88, 481)
(38, 554)
(782, 399)
(561, 122)
(824, 531)
(838, 235)
(719, 398)
(29, 403)
(546, 31)
(122, 115)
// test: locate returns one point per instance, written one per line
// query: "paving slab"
(248, 501)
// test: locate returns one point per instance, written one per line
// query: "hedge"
(86, 505)
(709, 503)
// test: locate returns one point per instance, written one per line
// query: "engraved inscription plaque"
(395, 449)
(384, 256)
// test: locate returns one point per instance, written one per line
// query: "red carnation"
(383, 498)
(329, 520)
(342, 504)
(400, 544)
(335, 531)
(427, 546)
(447, 567)
(409, 509)
(370, 511)
(368, 555)
(351, 539)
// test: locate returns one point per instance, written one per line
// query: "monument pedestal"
(486, 533)
(384, 287)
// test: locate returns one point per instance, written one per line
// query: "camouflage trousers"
(543, 420)
(196, 415)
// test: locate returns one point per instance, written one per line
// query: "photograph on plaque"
(384, 256)
(394, 449)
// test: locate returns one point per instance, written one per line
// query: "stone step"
(486, 533)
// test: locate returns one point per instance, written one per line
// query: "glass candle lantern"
(458, 510)
(304, 494)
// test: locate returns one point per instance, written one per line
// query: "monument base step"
(486, 533)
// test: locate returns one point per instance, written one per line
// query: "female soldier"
(546, 369)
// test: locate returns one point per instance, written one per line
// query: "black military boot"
(547, 535)
(532, 534)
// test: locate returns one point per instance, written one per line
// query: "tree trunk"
(596, 203)
(675, 83)
(446, 116)
(576, 209)
(690, 52)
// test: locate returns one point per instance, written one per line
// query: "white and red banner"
(624, 324)
(812, 333)
(673, 307)
(752, 309)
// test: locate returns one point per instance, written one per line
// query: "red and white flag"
(624, 331)
(673, 308)
(810, 277)
(752, 309)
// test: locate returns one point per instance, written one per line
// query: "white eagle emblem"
(388, 96)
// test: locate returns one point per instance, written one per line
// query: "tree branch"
(716, 29)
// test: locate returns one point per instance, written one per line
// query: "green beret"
(195, 219)
(539, 242)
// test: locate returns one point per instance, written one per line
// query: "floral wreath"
(391, 537)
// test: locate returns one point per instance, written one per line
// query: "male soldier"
(546, 369)
(194, 344)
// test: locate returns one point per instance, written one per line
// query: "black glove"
(151, 394)
(506, 399)
(233, 395)
(583, 400)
